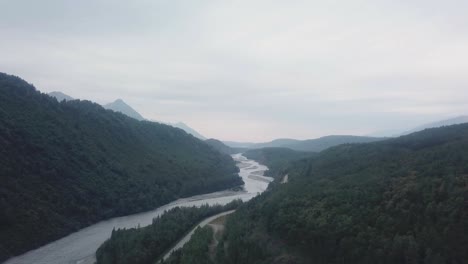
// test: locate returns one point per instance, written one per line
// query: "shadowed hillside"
(401, 200)
(72, 163)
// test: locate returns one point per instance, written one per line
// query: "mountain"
(399, 200)
(277, 143)
(120, 106)
(311, 145)
(67, 165)
(221, 147)
(61, 96)
(441, 123)
(189, 130)
(446, 122)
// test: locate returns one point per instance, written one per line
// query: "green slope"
(66, 165)
(277, 160)
(402, 200)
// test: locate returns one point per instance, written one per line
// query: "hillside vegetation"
(278, 160)
(146, 245)
(65, 165)
(402, 200)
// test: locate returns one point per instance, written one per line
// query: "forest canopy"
(73, 163)
(401, 200)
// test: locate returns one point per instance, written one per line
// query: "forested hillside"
(146, 245)
(66, 165)
(277, 160)
(402, 200)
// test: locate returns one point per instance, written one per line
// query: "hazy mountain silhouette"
(61, 96)
(189, 130)
(400, 132)
(120, 106)
(311, 145)
(441, 123)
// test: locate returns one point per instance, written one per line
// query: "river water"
(80, 247)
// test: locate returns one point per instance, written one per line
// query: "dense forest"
(402, 200)
(278, 160)
(146, 245)
(71, 164)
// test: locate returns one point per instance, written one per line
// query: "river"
(80, 247)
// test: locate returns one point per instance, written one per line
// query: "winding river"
(80, 247)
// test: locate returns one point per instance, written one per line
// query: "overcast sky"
(249, 70)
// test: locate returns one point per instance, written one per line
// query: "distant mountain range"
(189, 130)
(117, 106)
(61, 96)
(120, 106)
(310, 145)
(319, 144)
(440, 123)
(446, 122)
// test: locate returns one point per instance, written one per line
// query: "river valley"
(80, 247)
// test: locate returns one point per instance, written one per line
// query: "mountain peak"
(188, 129)
(120, 106)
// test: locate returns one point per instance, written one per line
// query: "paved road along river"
(80, 247)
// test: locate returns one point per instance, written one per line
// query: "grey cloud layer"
(249, 70)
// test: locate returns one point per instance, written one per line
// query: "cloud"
(249, 70)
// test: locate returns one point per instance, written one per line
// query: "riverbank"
(80, 247)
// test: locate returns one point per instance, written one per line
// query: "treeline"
(71, 164)
(402, 200)
(146, 245)
(278, 160)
